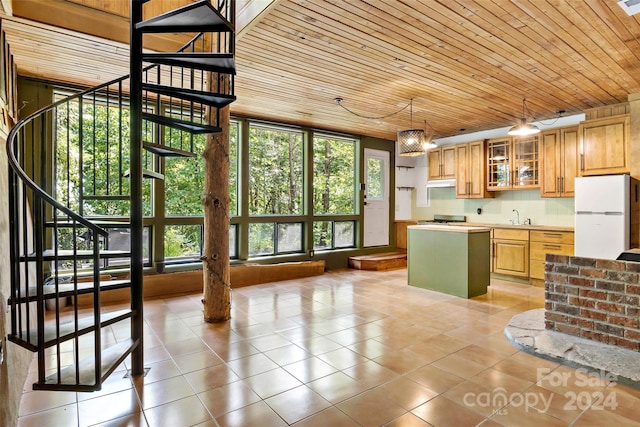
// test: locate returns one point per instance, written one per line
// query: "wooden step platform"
(378, 262)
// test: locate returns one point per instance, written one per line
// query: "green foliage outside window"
(275, 171)
(333, 176)
(105, 158)
(276, 166)
(375, 179)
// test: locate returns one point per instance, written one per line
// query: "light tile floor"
(348, 348)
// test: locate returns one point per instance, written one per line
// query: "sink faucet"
(517, 216)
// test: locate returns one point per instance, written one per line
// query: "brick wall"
(594, 298)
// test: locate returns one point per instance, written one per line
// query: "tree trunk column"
(215, 259)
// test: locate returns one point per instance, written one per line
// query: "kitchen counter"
(452, 228)
(452, 259)
(522, 227)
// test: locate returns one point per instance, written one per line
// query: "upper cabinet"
(470, 171)
(558, 162)
(512, 163)
(604, 146)
(442, 162)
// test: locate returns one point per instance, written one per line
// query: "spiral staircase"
(76, 194)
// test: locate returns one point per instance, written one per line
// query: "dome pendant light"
(411, 142)
(523, 128)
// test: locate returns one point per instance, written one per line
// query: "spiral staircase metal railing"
(76, 194)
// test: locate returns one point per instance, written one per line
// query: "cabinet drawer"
(536, 269)
(538, 250)
(552, 236)
(510, 233)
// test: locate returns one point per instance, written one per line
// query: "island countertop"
(451, 228)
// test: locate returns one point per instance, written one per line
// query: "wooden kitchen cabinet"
(510, 251)
(558, 162)
(401, 233)
(470, 171)
(442, 162)
(604, 146)
(512, 163)
(542, 243)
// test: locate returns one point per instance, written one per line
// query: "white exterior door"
(376, 198)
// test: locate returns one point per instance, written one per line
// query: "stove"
(444, 219)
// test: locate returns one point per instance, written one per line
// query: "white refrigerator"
(602, 205)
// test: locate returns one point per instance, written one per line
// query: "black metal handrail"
(68, 167)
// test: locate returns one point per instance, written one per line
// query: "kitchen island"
(448, 258)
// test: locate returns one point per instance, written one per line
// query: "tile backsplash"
(499, 210)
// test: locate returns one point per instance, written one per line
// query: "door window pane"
(375, 179)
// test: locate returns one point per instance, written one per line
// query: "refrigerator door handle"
(613, 213)
(585, 212)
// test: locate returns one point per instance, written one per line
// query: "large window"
(291, 190)
(275, 171)
(334, 191)
(91, 157)
(184, 176)
(334, 180)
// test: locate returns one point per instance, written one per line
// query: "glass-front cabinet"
(512, 163)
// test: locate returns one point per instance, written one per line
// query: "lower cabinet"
(401, 233)
(547, 242)
(510, 252)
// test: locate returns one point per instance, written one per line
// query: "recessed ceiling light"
(630, 6)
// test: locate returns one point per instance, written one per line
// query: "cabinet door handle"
(545, 246)
(562, 184)
(581, 162)
(558, 185)
(546, 233)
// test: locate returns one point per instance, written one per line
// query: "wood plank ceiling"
(467, 64)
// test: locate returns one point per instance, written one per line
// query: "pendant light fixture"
(411, 141)
(523, 128)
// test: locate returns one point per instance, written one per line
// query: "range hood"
(434, 183)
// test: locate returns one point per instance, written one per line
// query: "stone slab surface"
(526, 331)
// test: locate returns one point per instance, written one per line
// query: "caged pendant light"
(412, 142)
(524, 128)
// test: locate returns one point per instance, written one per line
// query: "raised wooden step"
(377, 262)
